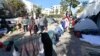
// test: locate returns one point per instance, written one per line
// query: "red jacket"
(73, 22)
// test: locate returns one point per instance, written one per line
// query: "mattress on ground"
(92, 39)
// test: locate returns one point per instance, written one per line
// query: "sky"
(83, 0)
(47, 3)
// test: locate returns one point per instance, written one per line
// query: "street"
(68, 45)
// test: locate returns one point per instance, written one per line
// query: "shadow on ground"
(74, 46)
(30, 45)
(68, 45)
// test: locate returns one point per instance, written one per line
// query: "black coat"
(47, 43)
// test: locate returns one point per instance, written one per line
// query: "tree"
(38, 11)
(71, 3)
(84, 4)
(64, 5)
(2, 13)
(15, 7)
(80, 10)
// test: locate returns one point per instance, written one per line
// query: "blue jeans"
(25, 28)
(41, 28)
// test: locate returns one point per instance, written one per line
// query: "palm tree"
(38, 11)
(71, 3)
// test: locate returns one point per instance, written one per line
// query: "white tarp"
(84, 24)
(92, 39)
(92, 9)
(96, 7)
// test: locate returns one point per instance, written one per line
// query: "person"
(47, 44)
(31, 25)
(63, 23)
(37, 21)
(58, 31)
(19, 24)
(1, 45)
(45, 24)
(25, 23)
(52, 36)
(41, 23)
(15, 51)
(9, 45)
(35, 29)
(36, 26)
(72, 23)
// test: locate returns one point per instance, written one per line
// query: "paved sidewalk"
(68, 45)
(9, 36)
(13, 36)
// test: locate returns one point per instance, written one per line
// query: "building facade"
(56, 9)
(46, 11)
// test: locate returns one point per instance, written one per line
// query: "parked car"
(51, 20)
(11, 24)
(5, 30)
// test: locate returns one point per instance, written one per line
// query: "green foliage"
(16, 7)
(2, 13)
(66, 3)
(73, 3)
(38, 11)
(54, 16)
(80, 10)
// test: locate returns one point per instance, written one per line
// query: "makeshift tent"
(98, 23)
(84, 24)
(92, 8)
(96, 19)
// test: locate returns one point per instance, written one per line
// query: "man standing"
(41, 23)
(45, 23)
(25, 23)
(19, 24)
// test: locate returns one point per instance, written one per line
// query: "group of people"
(65, 24)
(40, 24)
(68, 22)
(32, 24)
